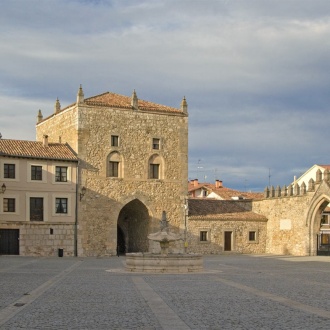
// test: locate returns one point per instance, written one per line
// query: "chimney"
(45, 141)
(218, 184)
(195, 182)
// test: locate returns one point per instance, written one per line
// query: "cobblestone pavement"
(233, 292)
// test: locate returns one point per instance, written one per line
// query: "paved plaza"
(233, 292)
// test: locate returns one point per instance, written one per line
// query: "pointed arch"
(319, 202)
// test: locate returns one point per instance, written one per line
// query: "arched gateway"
(133, 228)
(319, 234)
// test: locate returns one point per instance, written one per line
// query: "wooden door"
(228, 236)
(9, 241)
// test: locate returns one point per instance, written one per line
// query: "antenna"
(199, 167)
(269, 178)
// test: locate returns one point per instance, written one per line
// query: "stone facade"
(119, 210)
(221, 226)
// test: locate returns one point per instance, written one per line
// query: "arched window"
(156, 167)
(114, 165)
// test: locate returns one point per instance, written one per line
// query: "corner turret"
(80, 96)
(57, 107)
(39, 117)
(135, 101)
(184, 105)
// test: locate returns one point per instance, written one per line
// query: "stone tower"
(133, 157)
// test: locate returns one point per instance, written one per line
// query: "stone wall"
(215, 231)
(287, 232)
(44, 239)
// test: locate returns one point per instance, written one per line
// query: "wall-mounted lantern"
(82, 192)
(3, 189)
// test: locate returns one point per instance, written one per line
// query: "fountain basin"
(163, 263)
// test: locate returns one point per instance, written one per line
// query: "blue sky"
(255, 74)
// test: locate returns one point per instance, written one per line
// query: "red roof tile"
(34, 149)
(109, 99)
(203, 208)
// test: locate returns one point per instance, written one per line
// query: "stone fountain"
(164, 262)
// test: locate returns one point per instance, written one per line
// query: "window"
(61, 205)
(154, 171)
(36, 172)
(252, 236)
(36, 209)
(61, 174)
(113, 169)
(9, 205)
(114, 140)
(156, 144)
(325, 219)
(203, 236)
(325, 239)
(9, 171)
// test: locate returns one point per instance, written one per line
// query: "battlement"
(295, 189)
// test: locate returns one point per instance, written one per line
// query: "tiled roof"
(34, 149)
(224, 192)
(203, 208)
(120, 101)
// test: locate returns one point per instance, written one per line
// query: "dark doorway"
(9, 241)
(228, 235)
(121, 248)
(133, 222)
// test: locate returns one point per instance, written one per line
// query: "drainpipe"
(76, 216)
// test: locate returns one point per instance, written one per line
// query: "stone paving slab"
(234, 292)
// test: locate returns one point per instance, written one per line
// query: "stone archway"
(319, 202)
(133, 227)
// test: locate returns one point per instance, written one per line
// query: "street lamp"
(3, 189)
(82, 192)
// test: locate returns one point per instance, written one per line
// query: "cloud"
(255, 74)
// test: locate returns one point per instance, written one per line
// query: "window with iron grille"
(113, 169)
(154, 171)
(61, 205)
(36, 172)
(61, 174)
(114, 140)
(36, 209)
(203, 236)
(9, 171)
(156, 144)
(9, 205)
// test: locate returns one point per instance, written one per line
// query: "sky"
(255, 74)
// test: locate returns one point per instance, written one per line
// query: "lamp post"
(185, 207)
(82, 192)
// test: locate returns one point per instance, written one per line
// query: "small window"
(325, 239)
(113, 169)
(203, 236)
(252, 236)
(36, 209)
(156, 144)
(61, 205)
(325, 219)
(9, 205)
(36, 172)
(154, 171)
(114, 140)
(9, 171)
(61, 174)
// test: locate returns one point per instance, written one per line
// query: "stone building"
(37, 198)
(218, 226)
(132, 166)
